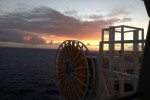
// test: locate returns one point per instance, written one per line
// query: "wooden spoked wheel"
(73, 71)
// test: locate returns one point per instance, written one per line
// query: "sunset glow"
(47, 42)
(48, 24)
(28, 38)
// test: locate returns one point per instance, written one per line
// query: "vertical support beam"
(101, 88)
(135, 55)
(121, 85)
(122, 65)
(122, 39)
(101, 48)
(135, 38)
(102, 35)
(111, 38)
(111, 67)
(142, 39)
(136, 67)
(98, 77)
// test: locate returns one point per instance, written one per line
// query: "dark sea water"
(28, 74)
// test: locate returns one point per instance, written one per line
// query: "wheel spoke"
(69, 49)
(73, 61)
(77, 86)
(69, 88)
(75, 49)
(71, 46)
(66, 91)
(65, 88)
(59, 66)
(62, 56)
(60, 63)
(60, 72)
(79, 75)
(79, 80)
(66, 50)
(62, 83)
(75, 89)
(78, 68)
(61, 77)
(73, 66)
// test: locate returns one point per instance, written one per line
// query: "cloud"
(16, 26)
(10, 35)
(118, 12)
(126, 19)
(71, 12)
(96, 17)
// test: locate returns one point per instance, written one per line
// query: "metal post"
(135, 38)
(122, 38)
(111, 38)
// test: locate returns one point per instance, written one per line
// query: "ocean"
(28, 74)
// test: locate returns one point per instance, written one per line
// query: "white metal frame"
(107, 91)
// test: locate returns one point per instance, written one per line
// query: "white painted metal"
(120, 57)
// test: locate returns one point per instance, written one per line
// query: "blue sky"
(37, 22)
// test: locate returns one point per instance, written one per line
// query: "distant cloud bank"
(30, 26)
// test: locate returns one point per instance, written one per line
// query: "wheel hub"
(68, 68)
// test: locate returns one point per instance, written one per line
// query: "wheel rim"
(72, 70)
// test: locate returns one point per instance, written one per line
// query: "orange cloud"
(28, 38)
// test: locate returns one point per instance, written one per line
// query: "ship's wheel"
(75, 71)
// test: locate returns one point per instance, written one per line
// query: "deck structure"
(120, 52)
(111, 73)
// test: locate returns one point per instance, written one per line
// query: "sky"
(47, 23)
